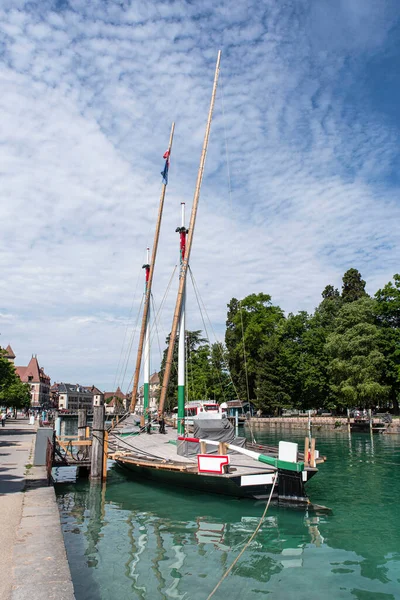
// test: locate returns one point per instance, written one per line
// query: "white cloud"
(89, 91)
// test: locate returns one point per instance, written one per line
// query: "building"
(9, 354)
(98, 396)
(115, 402)
(54, 395)
(38, 381)
(154, 393)
(74, 396)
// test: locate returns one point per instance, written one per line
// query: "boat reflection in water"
(163, 543)
(136, 540)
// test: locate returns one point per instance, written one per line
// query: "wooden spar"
(185, 262)
(148, 288)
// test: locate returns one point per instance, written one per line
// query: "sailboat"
(211, 457)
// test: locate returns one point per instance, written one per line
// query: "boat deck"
(160, 450)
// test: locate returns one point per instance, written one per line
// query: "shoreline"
(33, 555)
(317, 423)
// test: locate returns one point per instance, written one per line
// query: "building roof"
(154, 379)
(32, 370)
(9, 352)
(116, 394)
(73, 388)
(94, 390)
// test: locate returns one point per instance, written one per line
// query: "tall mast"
(146, 365)
(150, 279)
(182, 280)
(181, 343)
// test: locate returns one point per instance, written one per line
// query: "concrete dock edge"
(41, 569)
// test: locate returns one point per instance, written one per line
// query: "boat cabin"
(198, 409)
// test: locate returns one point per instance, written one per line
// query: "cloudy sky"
(301, 180)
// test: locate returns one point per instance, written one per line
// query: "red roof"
(10, 353)
(118, 394)
(32, 370)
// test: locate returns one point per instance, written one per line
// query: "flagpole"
(185, 262)
(181, 341)
(150, 281)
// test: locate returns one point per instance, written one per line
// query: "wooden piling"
(370, 420)
(222, 448)
(105, 455)
(348, 421)
(82, 421)
(312, 453)
(306, 449)
(203, 448)
(96, 469)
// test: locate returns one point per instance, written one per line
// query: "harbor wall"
(299, 422)
(317, 423)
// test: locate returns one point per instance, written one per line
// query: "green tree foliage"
(250, 326)
(17, 395)
(346, 354)
(13, 393)
(353, 286)
(388, 313)
(207, 376)
(357, 363)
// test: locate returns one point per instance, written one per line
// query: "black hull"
(289, 489)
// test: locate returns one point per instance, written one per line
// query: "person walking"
(161, 422)
(3, 419)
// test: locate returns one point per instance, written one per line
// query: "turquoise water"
(134, 540)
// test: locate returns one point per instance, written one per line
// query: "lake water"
(132, 540)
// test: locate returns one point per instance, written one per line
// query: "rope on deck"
(253, 535)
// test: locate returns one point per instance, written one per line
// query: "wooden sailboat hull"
(289, 490)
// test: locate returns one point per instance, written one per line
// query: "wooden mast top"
(150, 280)
(184, 266)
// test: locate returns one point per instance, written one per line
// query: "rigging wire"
(157, 318)
(251, 538)
(120, 365)
(129, 350)
(197, 296)
(226, 144)
(230, 199)
(244, 353)
(215, 337)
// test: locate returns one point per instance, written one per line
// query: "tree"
(388, 314)
(330, 292)
(249, 323)
(357, 363)
(206, 373)
(17, 395)
(13, 393)
(353, 286)
(388, 299)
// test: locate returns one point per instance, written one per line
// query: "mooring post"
(82, 417)
(306, 450)
(57, 423)
(96, 467)
(348, 421)
(105, 455)
(370, 420)
(312, 453)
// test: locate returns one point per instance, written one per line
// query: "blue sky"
(306, 124)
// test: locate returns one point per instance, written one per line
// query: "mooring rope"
(253, 535)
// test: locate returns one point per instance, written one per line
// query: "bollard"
(57, 426)
(96, 468)
(82, 420)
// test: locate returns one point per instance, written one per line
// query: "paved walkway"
(32, 553)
